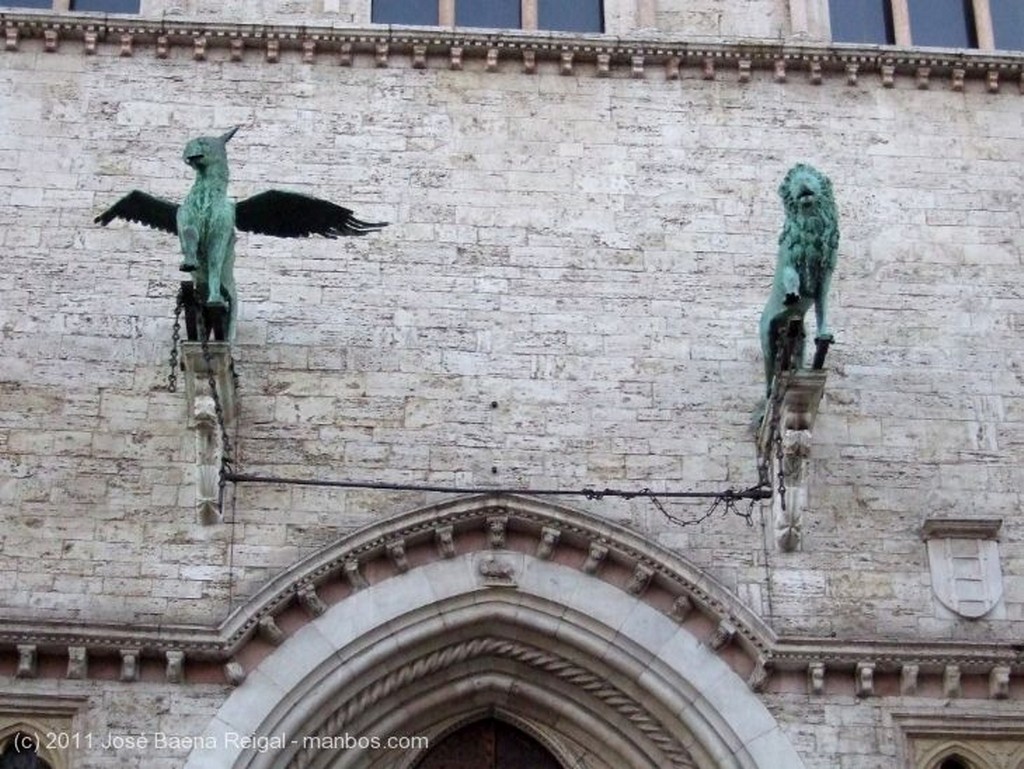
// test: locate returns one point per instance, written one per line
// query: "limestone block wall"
(567, 296)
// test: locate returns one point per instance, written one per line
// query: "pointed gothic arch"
(597, 643)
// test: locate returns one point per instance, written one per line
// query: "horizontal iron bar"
(753, 493)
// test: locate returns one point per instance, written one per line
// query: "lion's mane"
(810, 236)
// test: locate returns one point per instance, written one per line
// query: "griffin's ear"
(227, 137)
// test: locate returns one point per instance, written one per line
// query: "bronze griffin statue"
(206, 221)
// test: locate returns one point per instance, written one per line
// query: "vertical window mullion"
(446, 13)
(901, 22)
(529, 14)
(983, 29)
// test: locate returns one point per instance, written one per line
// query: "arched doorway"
(606, 648)
(488, 744)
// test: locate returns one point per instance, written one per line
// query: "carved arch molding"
(605, 649)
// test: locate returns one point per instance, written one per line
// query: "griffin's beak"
(193, 160)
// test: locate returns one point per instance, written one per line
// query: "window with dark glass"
(1008, 24)
(946, 23)
(570, 15)
(106, 6)
(47, 4)
(419, 12)
(861, 21)
(496, 14)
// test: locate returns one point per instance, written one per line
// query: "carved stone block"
(396, 552)
(270, 631)
(636, 69)
(722, 636)
(353, 575)
(455, 58)
(50, 40)
(529, 61)
(129, 665)
(419, 56)
(175, 670)
(127, 43)
(444, 537)
(548, 539)
(197, 377)
(273, 50)
(682, 608)
(864, 679)
(951, 682)
(234, 672)
(640, 579)
(758, 678)
(496, 525)
(565, 67)
(78, 662)
(816, 678)
(27, 661)
(908, 679)
(309, 51)
(595, 557)
(492, 60)
(310, 601)
(789, 420)
(496, 570)
(999, 682)
(383, 51)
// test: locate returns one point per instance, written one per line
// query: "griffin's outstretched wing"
(293, 215)
(137, 206)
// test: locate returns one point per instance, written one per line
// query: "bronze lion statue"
(807, 256)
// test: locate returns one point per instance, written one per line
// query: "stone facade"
(582, 235)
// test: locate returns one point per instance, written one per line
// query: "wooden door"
(488, 744)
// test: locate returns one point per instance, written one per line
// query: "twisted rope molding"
(454, 654)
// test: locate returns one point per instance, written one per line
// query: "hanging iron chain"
(172, 376)
(784, 352)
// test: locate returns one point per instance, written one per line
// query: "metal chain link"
(783, 351)
(172, 376)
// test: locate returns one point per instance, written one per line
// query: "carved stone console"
(203, 418)
(789, 420)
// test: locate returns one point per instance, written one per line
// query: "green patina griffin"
(807, 256)
(207, 219)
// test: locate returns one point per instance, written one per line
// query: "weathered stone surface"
(590, 253)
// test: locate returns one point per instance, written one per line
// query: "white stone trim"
(694, 696)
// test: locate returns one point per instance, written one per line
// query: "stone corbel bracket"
(197, 364)
(793, 413)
